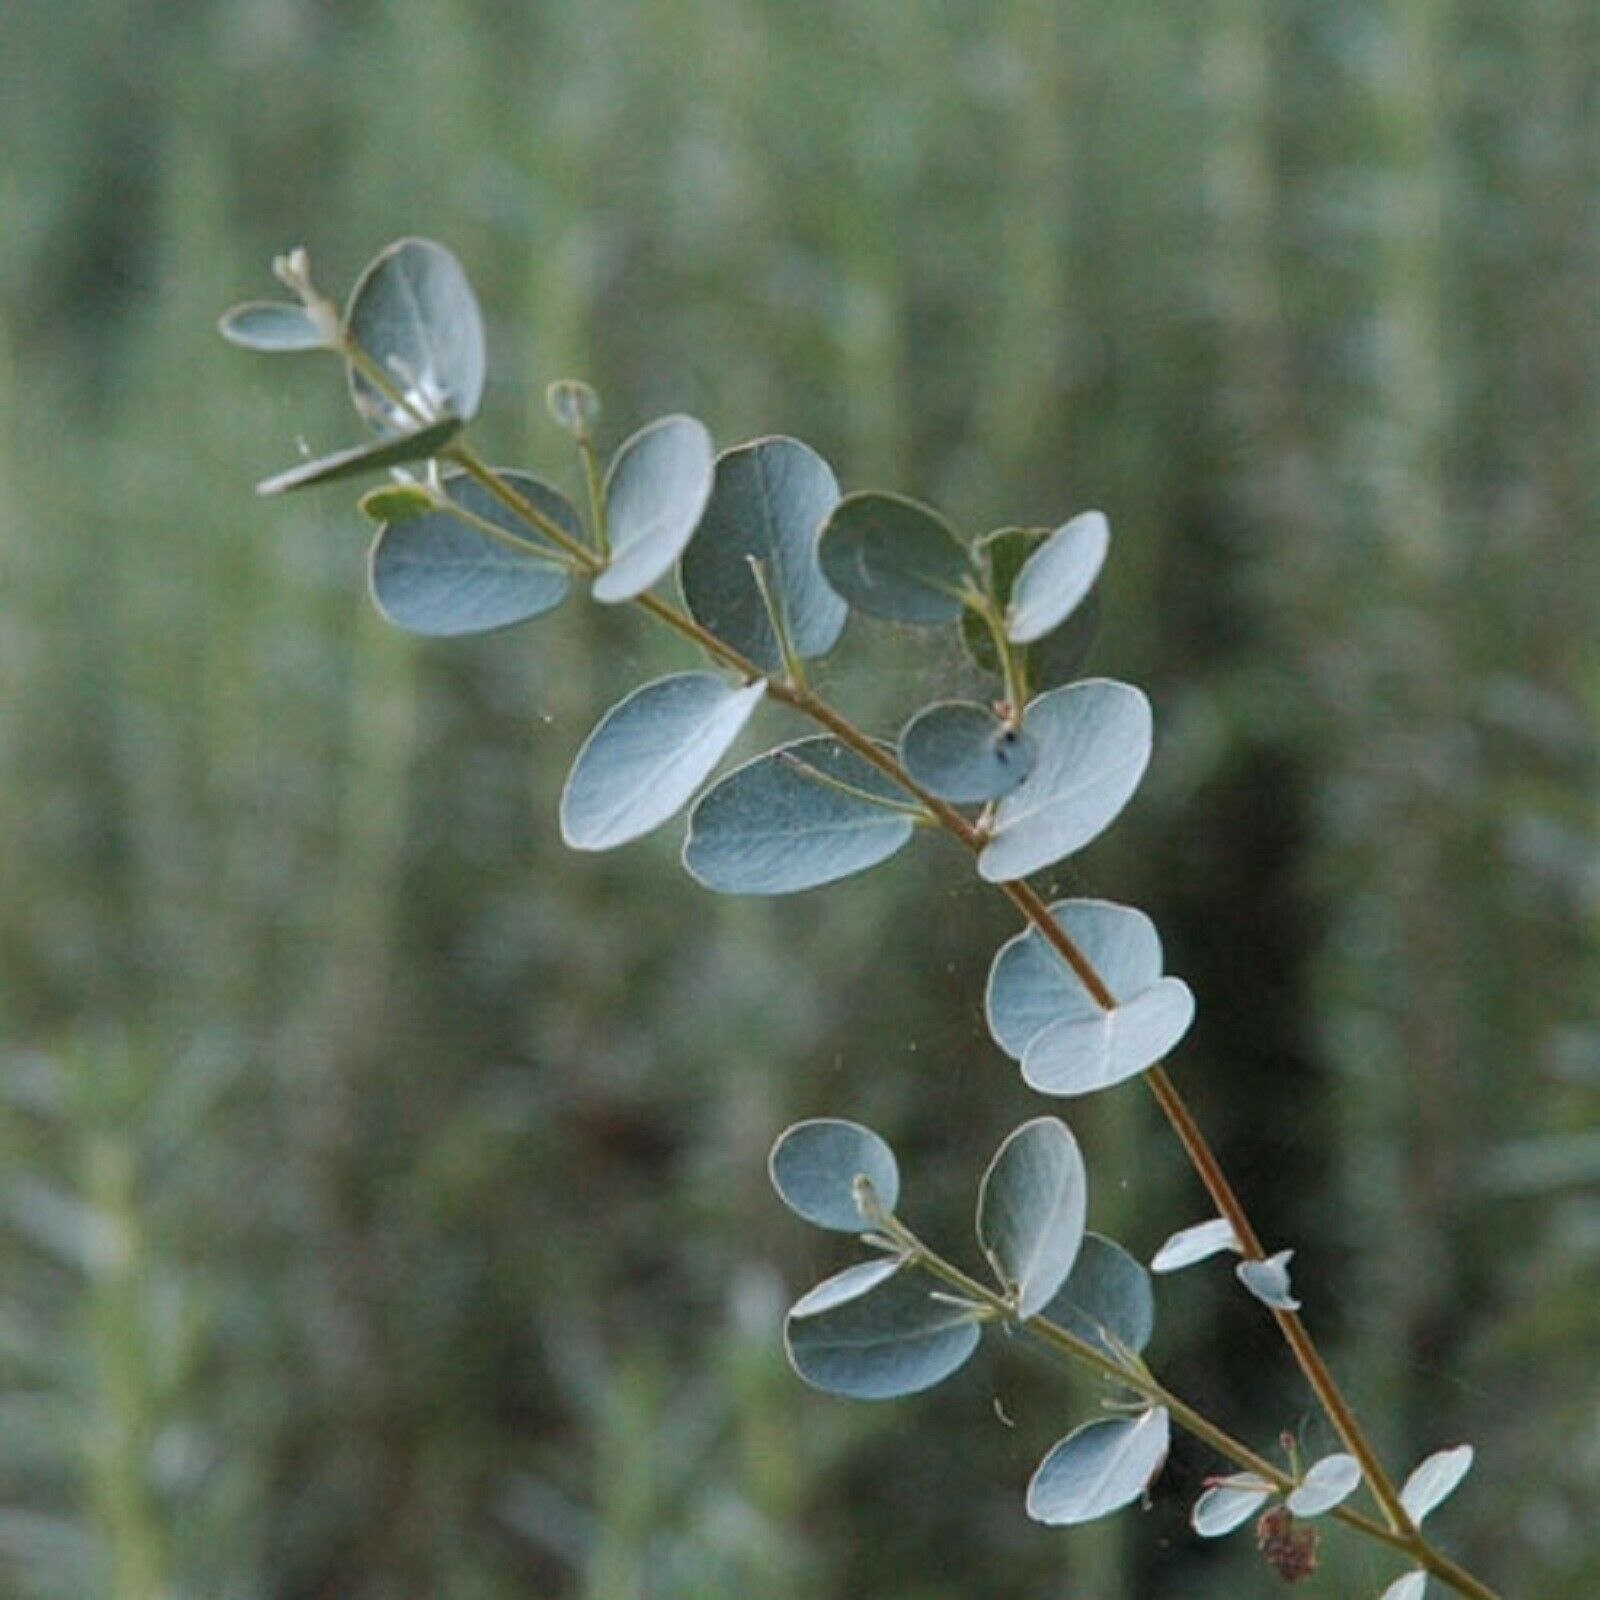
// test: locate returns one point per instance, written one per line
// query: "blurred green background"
(382, 1204)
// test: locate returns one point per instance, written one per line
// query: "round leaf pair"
(1031, 987)
(1080, 1055)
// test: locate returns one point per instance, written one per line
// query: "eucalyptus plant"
(769, 556)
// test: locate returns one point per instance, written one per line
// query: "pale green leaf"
(1058, 657)
(1435, 1480)
(1326, 1484)
(1031, 1209)
(963, 753)
(1412, 1586)
(894, 558)
(797, 817)
(1228, 1503)
(649, 754)
(815, 1166)
(1268, 1281)
(655, 494)
(272, 325)
(442, 577)
(1099, 1468)
(768, 503)
(1189, 1245)
(1057, 578)
(1092, 744)
(1107, 1299)
(399, 450)
(413, 312)
(887, 1335)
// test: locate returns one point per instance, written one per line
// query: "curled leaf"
(1189, 1245)
(1268, 1281)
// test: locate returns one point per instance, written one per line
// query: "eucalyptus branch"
(769, 558)
(1401, 1532)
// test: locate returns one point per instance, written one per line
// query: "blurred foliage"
(382, 1210)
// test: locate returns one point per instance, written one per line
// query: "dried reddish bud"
(1290, 1547)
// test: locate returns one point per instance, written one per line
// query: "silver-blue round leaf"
(649, 755)
(815, 1166)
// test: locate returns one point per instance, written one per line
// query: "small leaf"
(1092, 743)
(1081, 1055)
(656, 492)
(396, 502)
(963, 753)
(884, 1335)
(1410, 1587)
(1327, 1483)
(1228, 1504)
(1435, 1480)
(649, 754)
(396, 451)
(1106, 1293)
(845, 1286)
(895, 559)
(573, 406)
(768, 501)
(1057, 658)
(795, 818)
(1189, 1245)
(414, 313)
(1030, 986)
(1099, 1468)
(814, 1167)
(1268, 1281)
(441, 577)
(1057, 578)
(1031, 1209)
(272, 325)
